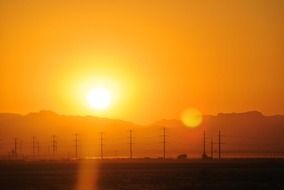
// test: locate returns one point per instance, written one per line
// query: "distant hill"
(248, 124)
(241, 132)
(252, 120)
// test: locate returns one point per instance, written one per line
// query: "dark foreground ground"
(145, 174)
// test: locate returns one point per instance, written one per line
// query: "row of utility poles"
(204, 154)
(17, 147)
(54, 145)
(102, 145)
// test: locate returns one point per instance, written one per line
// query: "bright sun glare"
(99, 98)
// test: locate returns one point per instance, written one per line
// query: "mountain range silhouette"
(241, 132)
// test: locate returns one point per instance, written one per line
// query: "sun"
(191, 117)
(99, 98)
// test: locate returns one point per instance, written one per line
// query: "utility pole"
(16, 147)
(212, 148)
(37, 142)
(34, 139)
(102, 150)
(49, 148)
(76, 145)
(204, 145)
(130, 144)
(54, 145)
(21, 148)
(1, 143)
(164, 143)
(219, 135)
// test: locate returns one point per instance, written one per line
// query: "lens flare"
(87, 175)
(191, 117)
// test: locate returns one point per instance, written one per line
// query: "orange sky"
(158, 57)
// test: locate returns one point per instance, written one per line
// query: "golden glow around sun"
(191, 117)
(99, 98)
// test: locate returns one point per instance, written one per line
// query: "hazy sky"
(158, 57)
